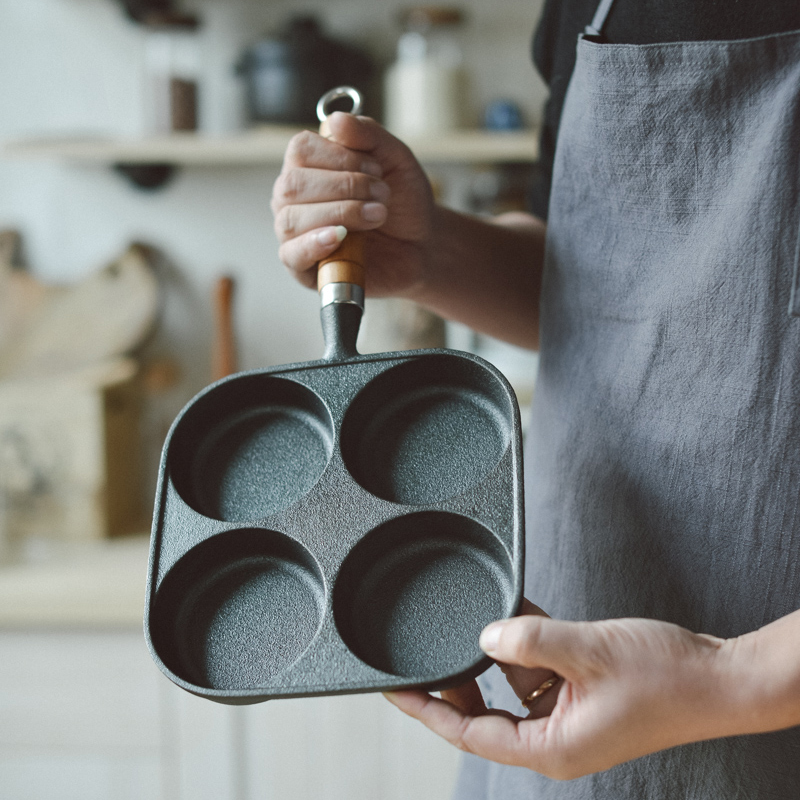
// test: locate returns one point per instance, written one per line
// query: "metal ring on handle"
(335, 94)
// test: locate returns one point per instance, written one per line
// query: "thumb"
(535, 641)
(356, 133)
(367, 136)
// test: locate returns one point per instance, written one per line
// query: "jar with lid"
(172, 70)
(425, 85)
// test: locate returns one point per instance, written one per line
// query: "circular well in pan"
(238, 609)
(250, 447)
(427, 430)
(413, 596)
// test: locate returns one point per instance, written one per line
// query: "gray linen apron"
(663, 461)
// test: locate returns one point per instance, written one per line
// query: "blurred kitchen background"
(139, 142)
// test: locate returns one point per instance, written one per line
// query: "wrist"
(483, 273)
(433, 253)
(764, 670)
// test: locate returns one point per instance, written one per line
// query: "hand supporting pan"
(345, 525)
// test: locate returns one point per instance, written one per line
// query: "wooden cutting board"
(48, 330)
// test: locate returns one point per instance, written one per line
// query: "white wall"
(74, 66)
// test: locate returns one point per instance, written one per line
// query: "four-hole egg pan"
(327, 529)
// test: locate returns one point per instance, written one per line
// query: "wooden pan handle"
(346, 263)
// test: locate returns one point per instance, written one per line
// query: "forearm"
(486, 274)
(765, 669)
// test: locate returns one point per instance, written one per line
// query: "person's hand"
(628, 687)
(361, 178)
(522, 680)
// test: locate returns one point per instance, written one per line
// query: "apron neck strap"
(595, 29)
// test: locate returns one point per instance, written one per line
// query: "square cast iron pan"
(337, 527)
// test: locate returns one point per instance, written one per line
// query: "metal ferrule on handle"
(350, 293)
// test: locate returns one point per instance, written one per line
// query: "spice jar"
(172, 68)
(424, 86)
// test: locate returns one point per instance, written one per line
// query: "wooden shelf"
(260, 146)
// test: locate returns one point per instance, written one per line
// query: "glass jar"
(425, 85)
(172, 70)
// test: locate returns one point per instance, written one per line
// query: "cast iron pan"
(343, 525)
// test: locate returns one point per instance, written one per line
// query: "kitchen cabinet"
(87, 715)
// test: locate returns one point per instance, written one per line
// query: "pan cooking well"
(239, 608)
(415, 593)
(346, 525)
(251, 448)
(393, 434)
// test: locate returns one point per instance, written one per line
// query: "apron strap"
(599, 19)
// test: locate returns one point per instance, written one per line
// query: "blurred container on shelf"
(287, 72)
(503, 115)
(425, 86)
(172, 68)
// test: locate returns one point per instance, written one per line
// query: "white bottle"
(424, 86)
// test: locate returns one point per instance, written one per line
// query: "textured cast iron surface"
(251, 448)
(239, 608)
(415, 593)
(419, 435)
(338, 526)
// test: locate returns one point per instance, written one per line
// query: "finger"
(302, 253)
(354, 215)
(533, 641)
(366, 136)
(303, 185)
(523, 680)
(309, 149)
(467, 698)
(546, 704)
(496, 735)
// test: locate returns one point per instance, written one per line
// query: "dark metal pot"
(288, 72)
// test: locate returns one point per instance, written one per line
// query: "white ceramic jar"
(424, 86)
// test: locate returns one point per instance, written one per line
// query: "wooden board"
(47, 329)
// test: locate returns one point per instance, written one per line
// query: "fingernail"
(379, 191)
(333, 235)
(373, 212)
(490, 637)
(372, 168)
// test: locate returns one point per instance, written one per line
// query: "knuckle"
(346, 213)
(283, 254)
(285, 223)
(349, 185)
(290, 185)
(276, 201)
(603, 645)
(295, 261)
(300, 148)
